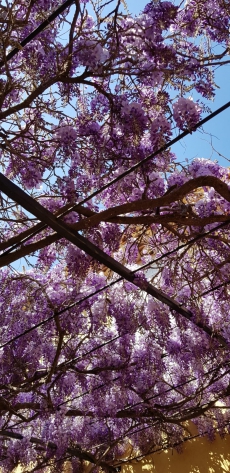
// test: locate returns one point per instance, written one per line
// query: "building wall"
(199, 456)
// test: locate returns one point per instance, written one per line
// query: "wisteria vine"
(94, 369)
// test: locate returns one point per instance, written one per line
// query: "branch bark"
(113, 216)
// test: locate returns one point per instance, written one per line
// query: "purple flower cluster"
(186, 113)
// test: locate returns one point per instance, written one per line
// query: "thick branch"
(147, 220)
(174, 196)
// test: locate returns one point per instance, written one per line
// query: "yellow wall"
(199, 456)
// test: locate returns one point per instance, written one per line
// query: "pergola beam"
(35, 208)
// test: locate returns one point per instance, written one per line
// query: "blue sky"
(214, 138)
(215, 135)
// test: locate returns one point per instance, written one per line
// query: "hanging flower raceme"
(186, 113)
